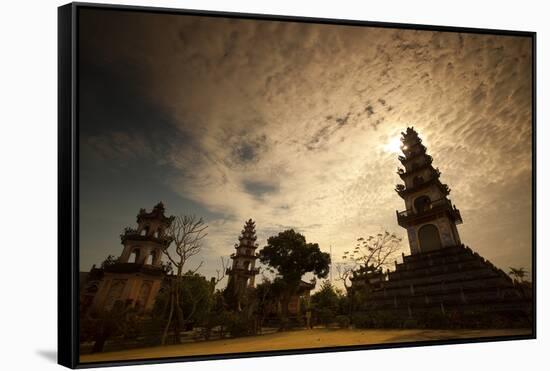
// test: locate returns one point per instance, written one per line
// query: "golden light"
(393, 145)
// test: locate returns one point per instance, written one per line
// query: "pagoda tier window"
(134, 256)
(422, 203)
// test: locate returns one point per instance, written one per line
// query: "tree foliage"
(292, 257)
(518, 273)
(326, 303)
(195, 299)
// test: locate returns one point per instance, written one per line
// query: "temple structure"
(430, 218)
(441, 275)
(136, 276)
(243, 271)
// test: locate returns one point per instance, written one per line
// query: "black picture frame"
(68, 180)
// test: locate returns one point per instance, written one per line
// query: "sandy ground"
(300, 339)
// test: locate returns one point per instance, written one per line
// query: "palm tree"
(518, 273)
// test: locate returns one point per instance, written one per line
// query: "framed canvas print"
(236, 185)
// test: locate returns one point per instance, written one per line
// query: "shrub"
(343, 321)
(325, 316)
(362, 320)
(239, 325)
(377, 319)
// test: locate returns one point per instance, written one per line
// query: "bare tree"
(187, 233)
(220, 273)
(345, 272)
(370, 255)
(368, 259)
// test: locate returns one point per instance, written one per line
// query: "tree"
(292, 257)
(518, 273)
(267, 295)
(118, 320)
(325, 303)
(186, 233)
(195, 297)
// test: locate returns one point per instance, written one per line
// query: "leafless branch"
(220, 273)
(373, 253)
(187, 233)
(345, 272)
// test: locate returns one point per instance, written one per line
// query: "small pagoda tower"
(136, 276)
(242, 272)
(430, 218)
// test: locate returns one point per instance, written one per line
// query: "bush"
(362, 320)
(343, 321)
(239, 325)
(283, 323)
(325, 316)
(377, 319)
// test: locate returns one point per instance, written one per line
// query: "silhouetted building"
(430, 218)
(243, 271)
(441, 275)
(136, 276)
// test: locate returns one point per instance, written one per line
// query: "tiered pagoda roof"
(131, 234)
(157, 214)
(247, 241)
(419, 175)
(415, 151)
(245, 250)
(443, 205)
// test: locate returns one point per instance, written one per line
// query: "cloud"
(286, 123)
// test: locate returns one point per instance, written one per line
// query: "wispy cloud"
(287, 123)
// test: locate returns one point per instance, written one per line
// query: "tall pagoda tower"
(136, 276)
(243, 271)
(441, 277)
(430, 218)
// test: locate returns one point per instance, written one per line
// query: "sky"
(296, 125)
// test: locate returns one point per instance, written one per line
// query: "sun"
(393, 145)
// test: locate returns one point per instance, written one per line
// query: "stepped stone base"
(453, 282)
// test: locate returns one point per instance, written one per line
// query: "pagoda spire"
(429, 218)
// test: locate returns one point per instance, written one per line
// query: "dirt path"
(315, 338)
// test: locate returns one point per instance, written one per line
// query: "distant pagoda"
(242, 272)
(442, 276)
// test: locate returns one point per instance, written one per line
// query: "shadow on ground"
(50, 355)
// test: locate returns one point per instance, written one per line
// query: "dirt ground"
(300, 339)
